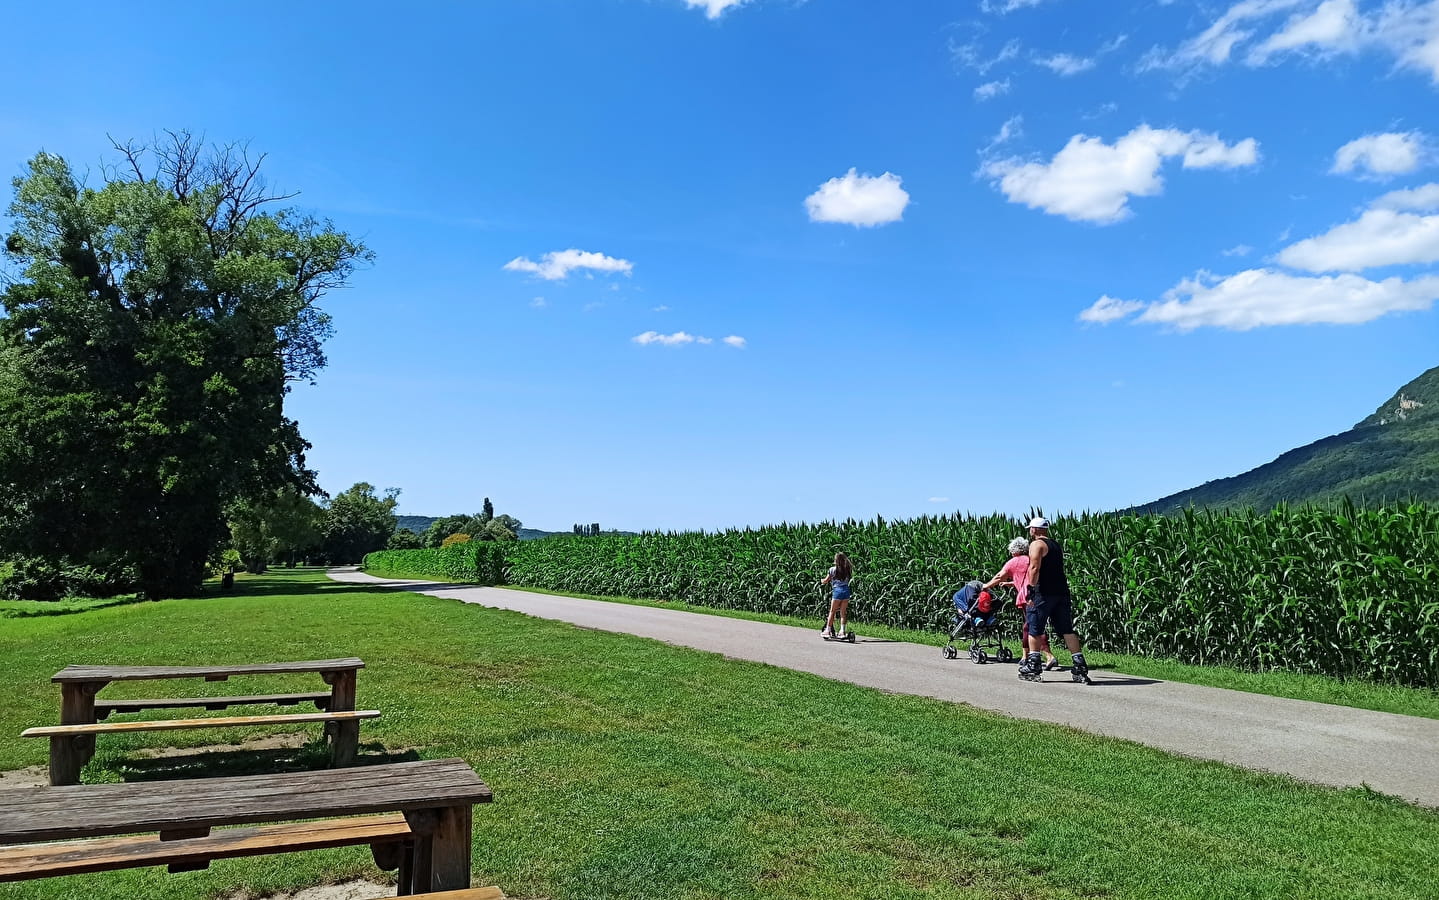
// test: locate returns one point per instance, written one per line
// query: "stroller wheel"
(950, 653)
(977, 654)
(1005, 655)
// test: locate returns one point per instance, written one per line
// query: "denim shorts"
(841, 592)
(1042, 611)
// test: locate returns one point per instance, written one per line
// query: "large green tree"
(281, 526)
(147, 344)
(358, 522)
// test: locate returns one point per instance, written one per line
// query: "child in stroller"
(976, 620)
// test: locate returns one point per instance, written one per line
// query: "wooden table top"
(71, 674)
(92, 810)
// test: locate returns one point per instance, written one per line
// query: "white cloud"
(558, 264)
(971, 57)
(1005, 7)
(859, 200)
(1407, 30)
(1260, 298)
(1108, 309)
(1333, 26)
(991, 89)
(938, 499)
(1012, 128)
(661, 309)
(1101, 111)
(1066, 64)
(1214, 45)
(539, 303)
(1091, 181)
(714, 8)
(1382, 155)
(1410, 31)
(678, 339)
(1238, 250)
(1422, 198)
(1380, 237)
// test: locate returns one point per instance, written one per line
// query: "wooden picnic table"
(80, 684)
(435, 797)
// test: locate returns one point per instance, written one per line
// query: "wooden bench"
(103, 709)
(79, 684)
(426, 837)
(106, 854)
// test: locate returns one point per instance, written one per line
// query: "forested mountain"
(1390, 455)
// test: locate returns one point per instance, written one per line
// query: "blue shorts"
(841, 592)
(1043, 611)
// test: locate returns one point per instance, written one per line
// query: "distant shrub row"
(471, 562)
(1336, 591)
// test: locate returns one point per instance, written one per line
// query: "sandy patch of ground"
(348, 890)
(28, 777)
(273, 742)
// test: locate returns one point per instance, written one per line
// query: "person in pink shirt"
(1016, 574)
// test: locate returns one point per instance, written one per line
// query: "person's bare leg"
(843, 615)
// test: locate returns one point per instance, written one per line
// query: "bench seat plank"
(104, 708)
(140, 673)
(105, 854)
(93, 810)
(213, 722)
(482, 893)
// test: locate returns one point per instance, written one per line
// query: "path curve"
(1314, 742)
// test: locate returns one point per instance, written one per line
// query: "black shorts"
(1043, 611)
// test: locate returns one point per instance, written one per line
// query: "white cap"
(1039, 522)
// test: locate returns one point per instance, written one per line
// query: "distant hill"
(417, 524)
(1390, 455)
(421, 524)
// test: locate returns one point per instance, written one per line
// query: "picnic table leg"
(68, 755)
(344, 736)
(441, 861)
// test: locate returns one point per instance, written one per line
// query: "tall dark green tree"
(146, 348)
(358, 522)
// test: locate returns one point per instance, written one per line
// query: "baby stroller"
(976, 622)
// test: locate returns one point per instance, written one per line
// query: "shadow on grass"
(278, 585)
(311, 757)
(37, 609)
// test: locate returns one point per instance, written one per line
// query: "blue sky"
(684, 264)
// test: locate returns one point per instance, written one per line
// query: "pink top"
(1016, 572)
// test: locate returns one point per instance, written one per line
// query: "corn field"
(1338, 591)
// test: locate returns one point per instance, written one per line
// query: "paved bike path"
(1314, 742)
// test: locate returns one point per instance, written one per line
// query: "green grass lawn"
(627, 768)
(1318, 688)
